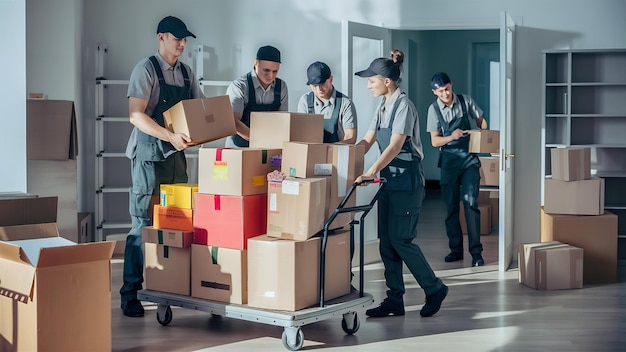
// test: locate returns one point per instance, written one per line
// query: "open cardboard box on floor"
(55, 295)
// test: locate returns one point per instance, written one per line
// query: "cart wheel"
(355, 323)
(298, 343)
(164, 316)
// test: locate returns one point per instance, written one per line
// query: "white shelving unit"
(112, 170)
(583, 105)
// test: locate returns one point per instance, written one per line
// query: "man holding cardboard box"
(257, 90)
(450, 118)
(156, 84)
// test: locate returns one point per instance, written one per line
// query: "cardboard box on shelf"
(219, 274)
(596, 235)
(51, 132)
(237, 171)
(38, 277)
(571, 164)
(484, 141)
(583, 197)
(271, 129)
(202, 119)
(296, 208)
(228, 221)
(489, 171)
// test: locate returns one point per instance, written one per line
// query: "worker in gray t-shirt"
(339, 112)
(257, 90)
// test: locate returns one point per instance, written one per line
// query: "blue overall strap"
(406, 147)
(309, 100)
(337, 109)
(159, 72)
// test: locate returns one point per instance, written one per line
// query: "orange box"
(173, 218)
(228, 221)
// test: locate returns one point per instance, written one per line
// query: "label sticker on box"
(276, 160)
(291, 187)
(273, 203)
(258, 180)
(163, 198)
(323, 169)
(220, 170)
(292, 172)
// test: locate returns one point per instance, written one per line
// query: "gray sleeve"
(472, 108)
(284, 97)
(303, 106)
(432, 122)
(141, 81)
(237, 91)
(348, 114)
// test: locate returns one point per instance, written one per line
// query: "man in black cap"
(257, 90)
(156, 83)
(450, 118)
(340, 121)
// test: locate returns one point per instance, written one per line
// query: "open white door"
(360, 44)
(507, 37)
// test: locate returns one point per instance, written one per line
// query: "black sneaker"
(433, 302)
(477, 260)
(384, 309)
(132, 308)
(453, 257)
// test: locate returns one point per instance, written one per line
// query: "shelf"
(105, 82)
(617, 116)
(598, 84)
(207, 83)
(615, 206)
(609, 174)
(556, 115)
(104, 189)
(112, 119)
(608, 146)
(111, 155)
(115, 225)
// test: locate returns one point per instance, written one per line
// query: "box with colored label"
(178, 195)
(172, 218)
(237, 171)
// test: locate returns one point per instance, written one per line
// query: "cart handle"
(368, 181)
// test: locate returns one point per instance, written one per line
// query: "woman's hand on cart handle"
(365, 180)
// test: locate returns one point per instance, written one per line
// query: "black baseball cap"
(268, 53)
(439, 79)
(382, 66)
(317, 73)
(174, 25)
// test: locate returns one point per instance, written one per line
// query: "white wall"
(13, 97)
(306, 31)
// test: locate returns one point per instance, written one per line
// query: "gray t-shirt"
(451, 112)
(144, 84)
(238, 93)
(347, 111)
(406, 120)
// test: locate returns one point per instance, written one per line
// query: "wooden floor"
(485, 311)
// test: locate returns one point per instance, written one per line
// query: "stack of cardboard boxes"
(48, 284)
(573, 213)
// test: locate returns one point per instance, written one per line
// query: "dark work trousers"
(147, 178)
(398, 213)
(462, 184)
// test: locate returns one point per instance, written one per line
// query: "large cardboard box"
(338, 268)
(178, 195)
(202, 119)
(228, 221)
(167, 237)
(583, 197)
(489, 171)
(283, 274)
(596, 235)
(559, 268)
(51, 132)
(236, 172)
(527, 262)
(484, 141)
(172, 218)
(571, 164)
(295, 208)
(219, 274)
(271, 129)
(485, 219)
(30, 231)
(55, 295)
(340, 164)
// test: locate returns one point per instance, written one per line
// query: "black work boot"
(384, 309)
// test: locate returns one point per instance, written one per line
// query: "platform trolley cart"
(292, 337)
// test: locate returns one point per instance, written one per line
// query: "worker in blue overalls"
(395, 128)
(156, 84)
(450, 118)
(340, 122)
(257, 90)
